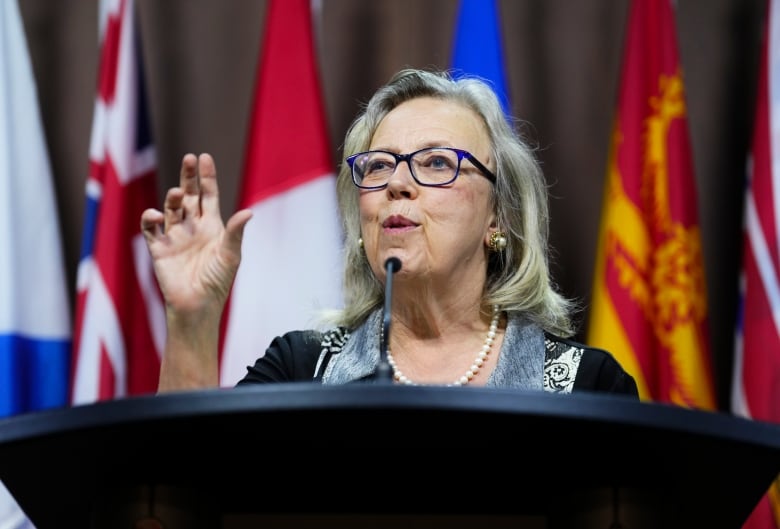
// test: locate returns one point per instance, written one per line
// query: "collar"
(520, 362)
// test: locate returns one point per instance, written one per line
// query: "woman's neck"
(433, 344)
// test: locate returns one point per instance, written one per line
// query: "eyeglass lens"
(428, 166)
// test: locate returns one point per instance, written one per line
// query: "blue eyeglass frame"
(487, 173)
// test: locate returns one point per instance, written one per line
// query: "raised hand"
(196, 257)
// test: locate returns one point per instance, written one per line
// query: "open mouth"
(396, 222)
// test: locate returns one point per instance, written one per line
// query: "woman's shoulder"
(294, 356)
(584, 368)
(314, 348)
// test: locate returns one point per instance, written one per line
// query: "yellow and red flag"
(649, 300)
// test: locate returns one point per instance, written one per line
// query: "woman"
(437, 178)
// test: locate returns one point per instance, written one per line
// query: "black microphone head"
(393, 264)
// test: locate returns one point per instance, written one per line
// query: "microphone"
(384, 373)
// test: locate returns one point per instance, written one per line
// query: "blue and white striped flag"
(479, 46)
(35, 321)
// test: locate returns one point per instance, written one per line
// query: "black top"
(293, 357)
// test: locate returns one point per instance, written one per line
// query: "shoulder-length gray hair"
(518, 278)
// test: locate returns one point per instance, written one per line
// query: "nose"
(401, 183)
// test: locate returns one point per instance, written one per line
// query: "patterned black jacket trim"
(561, 360)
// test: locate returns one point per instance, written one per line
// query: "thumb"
(234, 230)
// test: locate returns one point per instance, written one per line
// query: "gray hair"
(518, 278)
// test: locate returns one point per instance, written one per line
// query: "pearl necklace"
(472, 371)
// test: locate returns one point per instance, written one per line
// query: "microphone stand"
(384, 372)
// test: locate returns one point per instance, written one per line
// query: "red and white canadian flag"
(291, 251)
(120, 323)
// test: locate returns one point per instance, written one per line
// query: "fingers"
(209, 198)
(234, 230)
(198, 182)
(180, 202)
(188, 174)
(196, 195)
(189, 182)
(174, 207)
(152, 224)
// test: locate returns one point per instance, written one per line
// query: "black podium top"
(307, 448)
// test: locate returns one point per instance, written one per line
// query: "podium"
(305, 455)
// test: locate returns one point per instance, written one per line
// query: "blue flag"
(35, 328)
(478, 48)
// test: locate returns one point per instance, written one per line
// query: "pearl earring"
(497, 241)
(360, 242)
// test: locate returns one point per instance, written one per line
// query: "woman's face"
(438, 233)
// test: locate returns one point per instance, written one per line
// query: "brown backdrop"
(562, 60)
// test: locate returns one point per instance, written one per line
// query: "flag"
(479, 48)
(120, 322)
(649, 299)
(291, 250)
(35, 319)
(756, 371)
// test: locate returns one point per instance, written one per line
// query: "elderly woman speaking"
(439, 197)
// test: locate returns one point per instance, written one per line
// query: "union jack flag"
(756, 384)
(120, 323)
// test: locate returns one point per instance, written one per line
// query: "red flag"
(120, 324)
(756, 383)
(649, 303)
(291, 253)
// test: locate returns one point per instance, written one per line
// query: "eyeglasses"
(432, 166)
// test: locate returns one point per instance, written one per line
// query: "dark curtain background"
(562, 59)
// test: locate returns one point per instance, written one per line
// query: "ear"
(492, 228)
(487, 238)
